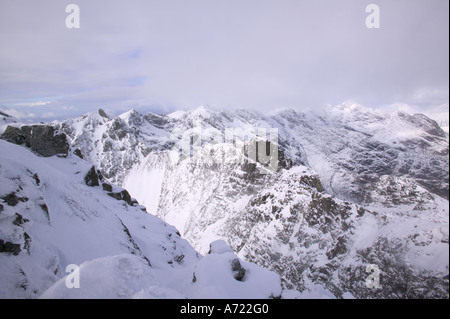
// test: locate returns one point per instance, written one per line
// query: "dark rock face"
(36, 179)
(8, 247)
(42, 139)
(125, 196)
(95, 178)
(1, 208)
(92, 177)
(107, 187)
(312, 181)
(12, 199)
(78, 153)
(238, 270)
(14, 135)
(44, 208)
(118, 130)
(102, 113)
(157, 121)
(179, 258)
(19, 220)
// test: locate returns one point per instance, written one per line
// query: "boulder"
(125, 196)
(92, 177)
(45, 140)
(78, 153)
(238, 270)
(36, 179)
(12, 199)
(8, 247)
(107, 187)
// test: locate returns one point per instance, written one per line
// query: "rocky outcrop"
(8, 247)
(237, 269)
(45, 140)
(12, 199)
(107, 187)
(102, 113)
(125, 196)
(78, 153)
(93, 177)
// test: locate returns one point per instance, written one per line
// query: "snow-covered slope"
(52, 215)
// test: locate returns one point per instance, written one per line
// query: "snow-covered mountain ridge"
(355, 187)
(349, 146)
(55, 212)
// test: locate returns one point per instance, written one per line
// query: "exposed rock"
(339, 249)
(78, 153)
(12, 199)
(1, 208)
(179, 258)
(103, 113)
(107, 187)
(19, 220)
(283, 161)
(238, 270)
(45, 210)
(134, 248)
(143, 208)
(118, 130)
(157, 120)
(27, 242)
(8, 247)
(92, 177)
(14, 135)
(42, 139)
(36, 179)
(313, 181)
(123, 195)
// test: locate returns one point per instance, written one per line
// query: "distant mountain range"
(353, 187)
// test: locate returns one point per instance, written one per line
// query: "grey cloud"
(164, 55)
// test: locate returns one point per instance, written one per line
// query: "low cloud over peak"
(164, 56)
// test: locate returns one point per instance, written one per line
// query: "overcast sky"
(164, 55)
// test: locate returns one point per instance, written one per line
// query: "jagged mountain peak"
(202, 111)
(350, 140)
